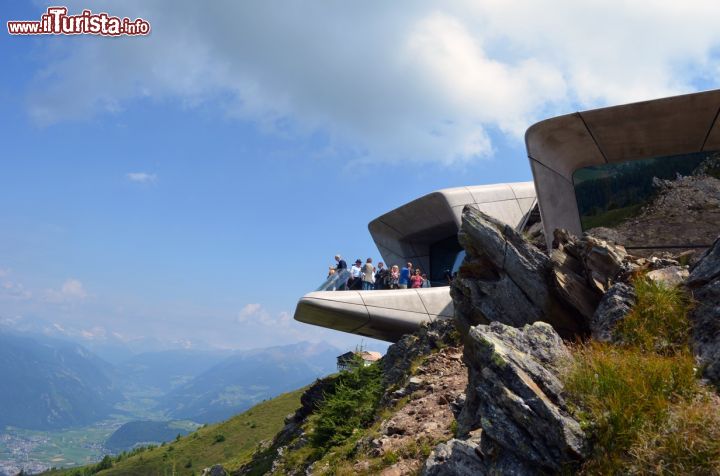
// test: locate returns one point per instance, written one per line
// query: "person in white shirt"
(355, 275)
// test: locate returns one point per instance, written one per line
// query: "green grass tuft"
(640, 402)
(659, 321)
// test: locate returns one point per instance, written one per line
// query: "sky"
(190, 185)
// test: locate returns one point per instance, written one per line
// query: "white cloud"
(388, 80)
(255, 313)
(94, 333)
(72, 290)
(12, 289)
(142, 177)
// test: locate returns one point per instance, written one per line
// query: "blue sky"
(191, 185)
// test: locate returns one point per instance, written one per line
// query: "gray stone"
(466, 458)
(216, 470)
(613, 307)
(707, 267)
(506, 279)
(670, 276)
(704, 281)
(515, 395)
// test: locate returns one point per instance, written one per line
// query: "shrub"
(658, 322)
(219, 438)
(351, 405)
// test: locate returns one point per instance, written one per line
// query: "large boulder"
(515, 400)
(506, 279)
(704, 282)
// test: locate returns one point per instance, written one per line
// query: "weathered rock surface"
(613, 307)
(515, 397)
(704, 281)
(466, 458)
(427, 415)
(399, 357)
(506, 279)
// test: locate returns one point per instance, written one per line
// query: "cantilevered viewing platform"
(423, 232)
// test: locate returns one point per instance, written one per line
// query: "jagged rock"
(704, 281)
(216, 470)
(613, 307)
(515, 396)
(670, 276)
(465, 458)
(600, 261)
(707, 268)
(506, 279)
(399, 357)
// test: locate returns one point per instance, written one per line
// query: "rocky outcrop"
(515, 420)
(613, 307)
(704, 281)
(430, 401)
(400, 356)
(506, 279)
(466, 458)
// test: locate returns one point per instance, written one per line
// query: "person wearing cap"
(355, 275)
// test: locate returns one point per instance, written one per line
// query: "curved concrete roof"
(559, 146)
(385, 315)
(406, 233)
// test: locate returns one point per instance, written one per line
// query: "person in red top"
(416, 279)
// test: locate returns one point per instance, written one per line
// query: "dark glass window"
(443, 259)
(664, 201)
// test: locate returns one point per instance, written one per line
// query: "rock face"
(613, 307)
(514, 398)
(400, 356)
(506, 279)
(704, 281)
(431, 400)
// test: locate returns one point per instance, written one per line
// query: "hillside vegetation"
(230, 443)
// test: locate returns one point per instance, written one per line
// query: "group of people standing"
(367, 276)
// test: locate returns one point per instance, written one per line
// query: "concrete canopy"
(406, 233)
(559, 146)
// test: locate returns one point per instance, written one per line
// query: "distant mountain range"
(166, 370)
(48, 383)
(248, 377)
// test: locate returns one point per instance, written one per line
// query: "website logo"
(56, 21)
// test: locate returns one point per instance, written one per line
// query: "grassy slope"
(241, 434)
